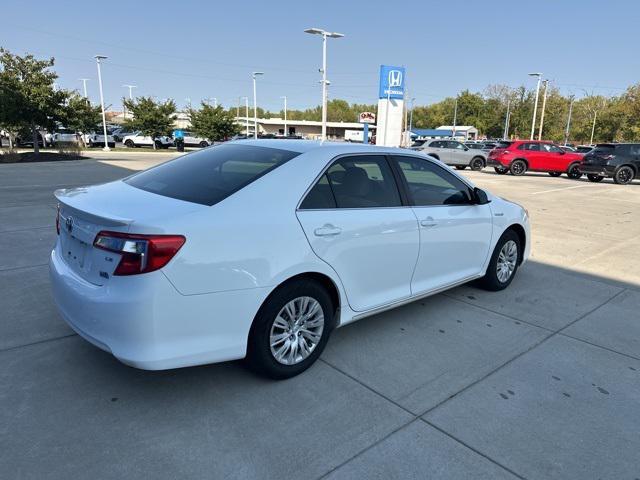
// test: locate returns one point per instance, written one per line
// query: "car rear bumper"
(602, 170)
(492, 162)
(146, 323)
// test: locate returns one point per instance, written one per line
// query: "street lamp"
(566, 132)
(104, 117)
(535, 107)
(255, 104)
(84, 85)
(246, 115)
(285, 115)
(130, 87)
(325, 34)
(544, 106)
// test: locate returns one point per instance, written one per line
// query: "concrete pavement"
(539, 381)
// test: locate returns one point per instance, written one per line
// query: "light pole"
(544, 106)
(535, 106)
(286, 134)
(566, 132)
(455, 118)
(411, 116)
(84, 86)
(325, 34)
(505, 135)
(130, 87)
(246, 115)
(255, 104)
(104, 117)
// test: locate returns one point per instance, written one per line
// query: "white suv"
(138, 140)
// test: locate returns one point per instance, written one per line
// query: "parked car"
(567, 148)
(190, 140)
(454, 153)
(64, 135)
(584, 149)
(136, 139)
(119, 133)
(169, 267)
(474, 145)
(521, 156)
(620, 161)
(97, 140)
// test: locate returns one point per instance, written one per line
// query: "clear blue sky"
(189, 49)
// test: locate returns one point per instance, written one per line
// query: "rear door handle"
(327, 230)
(428, 222)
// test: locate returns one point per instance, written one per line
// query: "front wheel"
(554, 174)
(460, 167)
(477, 164)
(203, 144)
(290, 330)
(129, 144)
(501, 170)
(623, 175)
(594, 178)
(518, 167)
(503, 264)
(574, 172)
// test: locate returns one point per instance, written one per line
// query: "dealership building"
(461, 132)
(306, 128)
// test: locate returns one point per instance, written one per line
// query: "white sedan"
(260, 248)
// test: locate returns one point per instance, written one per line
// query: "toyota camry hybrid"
(259, 249)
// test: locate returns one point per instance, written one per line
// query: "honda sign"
(391, 82)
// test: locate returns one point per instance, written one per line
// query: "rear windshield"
(604, 148)
(503, 144)
(210, 175)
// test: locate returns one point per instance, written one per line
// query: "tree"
(153, 119)
(80, 115)
(27, 84)
(213, 123)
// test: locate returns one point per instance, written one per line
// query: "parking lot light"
(535, 106)
(104, 117)
(84, 85)
(285, 115)
(325, 82)
(255, 104)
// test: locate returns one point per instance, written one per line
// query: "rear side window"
(210, 175)
(320, 196)
(503, 144)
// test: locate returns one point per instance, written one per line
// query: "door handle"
(327, 230)
(428, 222)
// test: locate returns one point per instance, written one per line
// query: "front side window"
(363, 181)
(456, 145)
(431, 185)
(436, 144)
(210, 175)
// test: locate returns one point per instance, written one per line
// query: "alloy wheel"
(507, 260)
(296, 330)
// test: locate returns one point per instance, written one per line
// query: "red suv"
(521, 155)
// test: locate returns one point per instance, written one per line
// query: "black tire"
(623, 175)
(477, 164)
(574, 172)
(460, 167)
(554, 174)
(501, 170)
(490, 281)
(158, 144)
(259, 356)
(203, 144)
(594, 178)
(518, 167)
(129, 144)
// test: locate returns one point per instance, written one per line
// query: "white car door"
(455, 232)
(355, 221)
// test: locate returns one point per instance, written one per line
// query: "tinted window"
(320, 196)
(457, 145)
(437, 144)
(430, 184)
(210, 175)
(547, 147)
(364, 181)
(418, 143)
(633, 149)
(503, 144)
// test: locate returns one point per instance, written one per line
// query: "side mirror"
(480, 196)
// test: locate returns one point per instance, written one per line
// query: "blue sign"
(392, 80)
(178, 134)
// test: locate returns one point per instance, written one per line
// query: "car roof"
(304, 146)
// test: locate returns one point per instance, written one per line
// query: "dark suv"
(618, 160)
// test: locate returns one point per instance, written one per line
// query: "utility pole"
(286, 133)
(455, 118)
(544, 104)
(246, 116)
(505, 135)
(104, 117)
(566, 132)
(84, 86)
(535, 105)
(255, 104)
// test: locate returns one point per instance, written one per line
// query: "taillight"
(505, 152)
(140, 253)
(58, 220)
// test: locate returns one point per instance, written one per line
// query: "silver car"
(454, 153)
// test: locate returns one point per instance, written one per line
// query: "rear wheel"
(554, 174)
(460, 167)
(503, 264)
(574, 172)
(623, 175)
(290, 330)
(501, 170)
(594, 178)
(203, 144)
(518, 167)
(477, 164)
(129, 144)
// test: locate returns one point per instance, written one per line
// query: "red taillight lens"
(58, 220)
(140, 253)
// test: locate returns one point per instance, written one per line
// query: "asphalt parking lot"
(539, 381)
